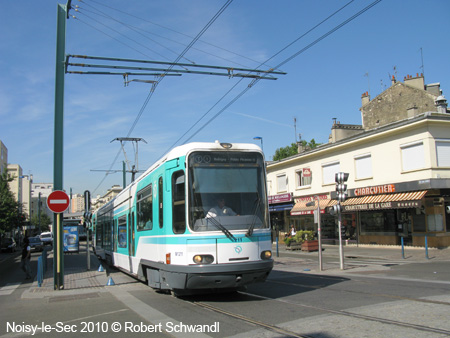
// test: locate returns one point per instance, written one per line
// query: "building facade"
(3, 157)
(399, 182)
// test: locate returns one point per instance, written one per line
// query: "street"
(372, 297)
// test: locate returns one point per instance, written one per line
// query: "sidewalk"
(78, 280)
(381, 252)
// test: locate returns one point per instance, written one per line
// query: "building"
(3, 157)
(399, 166)
(99, 201)
(39, 194)
(77, 203)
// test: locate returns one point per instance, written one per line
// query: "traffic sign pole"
(62, 11)
(58, 202)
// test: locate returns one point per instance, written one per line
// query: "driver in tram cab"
(220, 210)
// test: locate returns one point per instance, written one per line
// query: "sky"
(328, 66)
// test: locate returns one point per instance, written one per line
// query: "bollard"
(110, 282)
(100, 268)
(403, 249)
(40, 272)
(426, 247)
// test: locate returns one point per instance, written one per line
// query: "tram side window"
(144, 207)
(179, 203)
(160, 201)
(122, 232)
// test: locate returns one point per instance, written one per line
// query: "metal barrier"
(42, 267)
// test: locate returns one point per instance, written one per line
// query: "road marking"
(9, 288)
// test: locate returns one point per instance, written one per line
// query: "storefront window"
(378, 222)
(435, 222)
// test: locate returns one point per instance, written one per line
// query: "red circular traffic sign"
(58, 201)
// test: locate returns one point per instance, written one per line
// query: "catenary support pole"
(58, 264)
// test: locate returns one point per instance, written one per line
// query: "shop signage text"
(379, 189)
(283, 198)
(384, 205)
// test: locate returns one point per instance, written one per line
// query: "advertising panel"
(70, 238)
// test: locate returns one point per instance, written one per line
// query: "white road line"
(9, 288)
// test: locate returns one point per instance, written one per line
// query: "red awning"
(402, 200)
(300, 208)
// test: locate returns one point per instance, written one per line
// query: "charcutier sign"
(379, 189)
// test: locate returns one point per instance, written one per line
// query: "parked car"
(46, 238)
(8, 244)
(36, 244)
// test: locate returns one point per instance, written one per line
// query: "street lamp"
(261, 139)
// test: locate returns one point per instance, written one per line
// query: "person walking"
(26, 256)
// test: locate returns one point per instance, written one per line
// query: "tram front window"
(227, 191)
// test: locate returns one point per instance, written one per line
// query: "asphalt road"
(372, 297)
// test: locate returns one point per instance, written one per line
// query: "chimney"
(393, 80)
(415, 82)
(441, 104)
(365, 98)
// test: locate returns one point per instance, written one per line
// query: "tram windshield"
(227, 191)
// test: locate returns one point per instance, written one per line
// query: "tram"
(196, 220)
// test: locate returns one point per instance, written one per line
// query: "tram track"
(384, 295)
(289, 333)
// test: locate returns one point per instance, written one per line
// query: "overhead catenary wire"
(246, 89)
(135, 29)
(182, 34)
(202, 31)
(285, 61)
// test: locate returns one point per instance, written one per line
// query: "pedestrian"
(293, 232)
(26, 256)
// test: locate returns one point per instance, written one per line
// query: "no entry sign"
(58, 201)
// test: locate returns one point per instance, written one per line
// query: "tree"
(45, 221)
(10, 215)
(287, 151)
(292, 150)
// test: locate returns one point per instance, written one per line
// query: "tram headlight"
(203, 259)
(266, 254)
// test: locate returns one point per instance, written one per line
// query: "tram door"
(131, 247)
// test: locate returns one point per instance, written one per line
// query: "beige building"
(399, 182)
(3, 157)
(77, 203)
(99, 201)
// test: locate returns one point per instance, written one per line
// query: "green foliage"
(45, 221)
(10, 216)
(303, 235)
(288, 151)
(292, 150)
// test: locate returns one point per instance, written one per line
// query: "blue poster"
(71, 239)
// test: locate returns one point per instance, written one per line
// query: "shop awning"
(300, 208)
(402, 200)
(280, 207)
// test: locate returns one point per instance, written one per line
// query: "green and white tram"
(196, 220)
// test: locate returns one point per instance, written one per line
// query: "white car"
(46, 238)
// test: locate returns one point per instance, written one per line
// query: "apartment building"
(399, 166)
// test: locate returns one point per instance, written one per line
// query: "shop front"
(303, 218)
(387, 215)
(279, 208)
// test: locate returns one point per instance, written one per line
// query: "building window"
(413, 156)
(329, 170)
(303, 177)
(443, 153)
(281, 183)
(363, 166)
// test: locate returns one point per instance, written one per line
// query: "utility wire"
(183, 34)
(133, 28)
(204, 29)
(254, 82)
